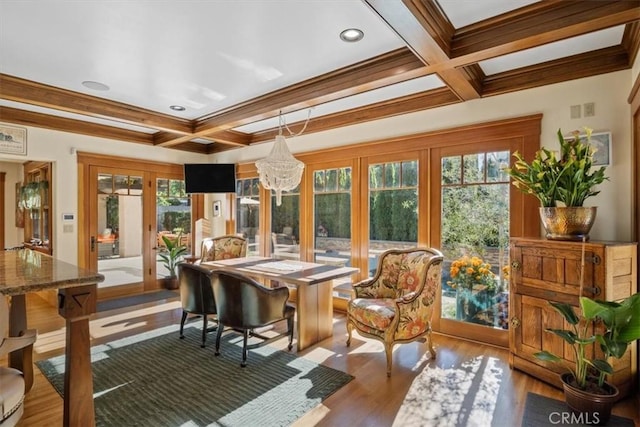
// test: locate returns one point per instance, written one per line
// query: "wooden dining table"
(314, 283)
(24, 271)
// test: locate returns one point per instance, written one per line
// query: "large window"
(393, 208)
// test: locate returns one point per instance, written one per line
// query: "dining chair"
(244, 305)
(12, 381)
(223, 247)
(196, 295)
(395, 306)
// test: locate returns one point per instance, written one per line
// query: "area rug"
(112, 304)
(462, 394)
(541, 411)
(156, 379)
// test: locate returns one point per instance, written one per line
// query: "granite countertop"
(24, 270)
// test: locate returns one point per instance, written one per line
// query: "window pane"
(392, 175)
(345, 179)
(410, 174)
(246, 187)
(496, 162)
(375, 176)
(451, 170)
(162, 187)
(318, 180)
(248, 214)
(121, 184)
(105, 183)
(473, 168)
(255, 187)
(332, 180)
(285, 226)
(135, 185)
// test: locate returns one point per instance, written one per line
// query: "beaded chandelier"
(280, 171)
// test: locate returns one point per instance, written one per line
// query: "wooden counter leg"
(76, 305)
(17, 325)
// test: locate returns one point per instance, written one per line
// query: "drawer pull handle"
(515, 322)
(515, 265)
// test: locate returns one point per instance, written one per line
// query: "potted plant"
(475, 286)
(171, 255)
(612, 326)
(568, 179)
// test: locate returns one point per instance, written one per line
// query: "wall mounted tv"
(210, 177)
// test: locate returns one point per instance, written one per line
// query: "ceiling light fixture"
(280, 171)
(90, 84)
(177, 107)
(352, 35)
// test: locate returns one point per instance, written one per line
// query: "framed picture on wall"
(601, 142)
(13, 140)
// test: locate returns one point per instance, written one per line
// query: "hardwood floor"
(371, 399)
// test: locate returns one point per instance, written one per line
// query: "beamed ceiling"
(421, 61)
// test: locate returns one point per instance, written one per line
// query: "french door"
(471, 210)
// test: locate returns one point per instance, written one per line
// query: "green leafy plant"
(568, 179)
(172, 253)
(611, 325)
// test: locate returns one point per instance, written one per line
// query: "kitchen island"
(23, 271)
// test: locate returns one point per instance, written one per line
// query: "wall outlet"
(589, 109)
(575, 111)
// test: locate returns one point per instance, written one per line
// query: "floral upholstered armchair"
(223, 247)
(396, 305)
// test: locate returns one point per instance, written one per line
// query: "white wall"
(609, 92)
(13, 236)
(56, 147)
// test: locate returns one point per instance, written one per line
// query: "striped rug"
(156, 379)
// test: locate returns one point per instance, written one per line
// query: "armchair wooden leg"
(218, 336)
(349, 330)
(388, 349)
(244, 348)
(430, 343)
(184, 319)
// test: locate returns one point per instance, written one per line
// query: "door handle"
(93, 243)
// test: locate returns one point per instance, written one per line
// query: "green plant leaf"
(566, 311)
(568, 336)
(548, 357)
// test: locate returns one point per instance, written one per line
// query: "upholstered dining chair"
(395, 306)
(196, 295)
(244, 304)
(223, 247)
(12, 381)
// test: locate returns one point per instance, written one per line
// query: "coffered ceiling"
(235, 65)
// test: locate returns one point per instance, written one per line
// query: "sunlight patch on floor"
(459, 395)
(109, 325)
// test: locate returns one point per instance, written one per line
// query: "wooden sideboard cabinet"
(547, 270)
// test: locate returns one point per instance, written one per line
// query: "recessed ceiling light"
(95, 85)
(177, 107)
(352, 35)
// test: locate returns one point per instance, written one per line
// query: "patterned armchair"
(396, 305)
(223, 247)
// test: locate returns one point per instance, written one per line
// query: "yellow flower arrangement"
(469, 271)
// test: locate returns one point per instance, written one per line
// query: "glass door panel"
(474, 238)
(173, 218)
(248, 213)
(119, 244)
(332, 217)
(393, 208)
(285, 226)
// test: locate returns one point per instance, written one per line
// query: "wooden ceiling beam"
(587, 64)
(228, 137)
(390, 68)
(29, 118)
(427, 32)
(535, 25)
(392, 107)
(33, 93)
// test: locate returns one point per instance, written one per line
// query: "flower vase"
(465, 307)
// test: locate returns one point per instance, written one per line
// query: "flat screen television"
(210, 177)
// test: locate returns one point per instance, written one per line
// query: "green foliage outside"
(394, 215)
(333, 212)
(286, 215)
